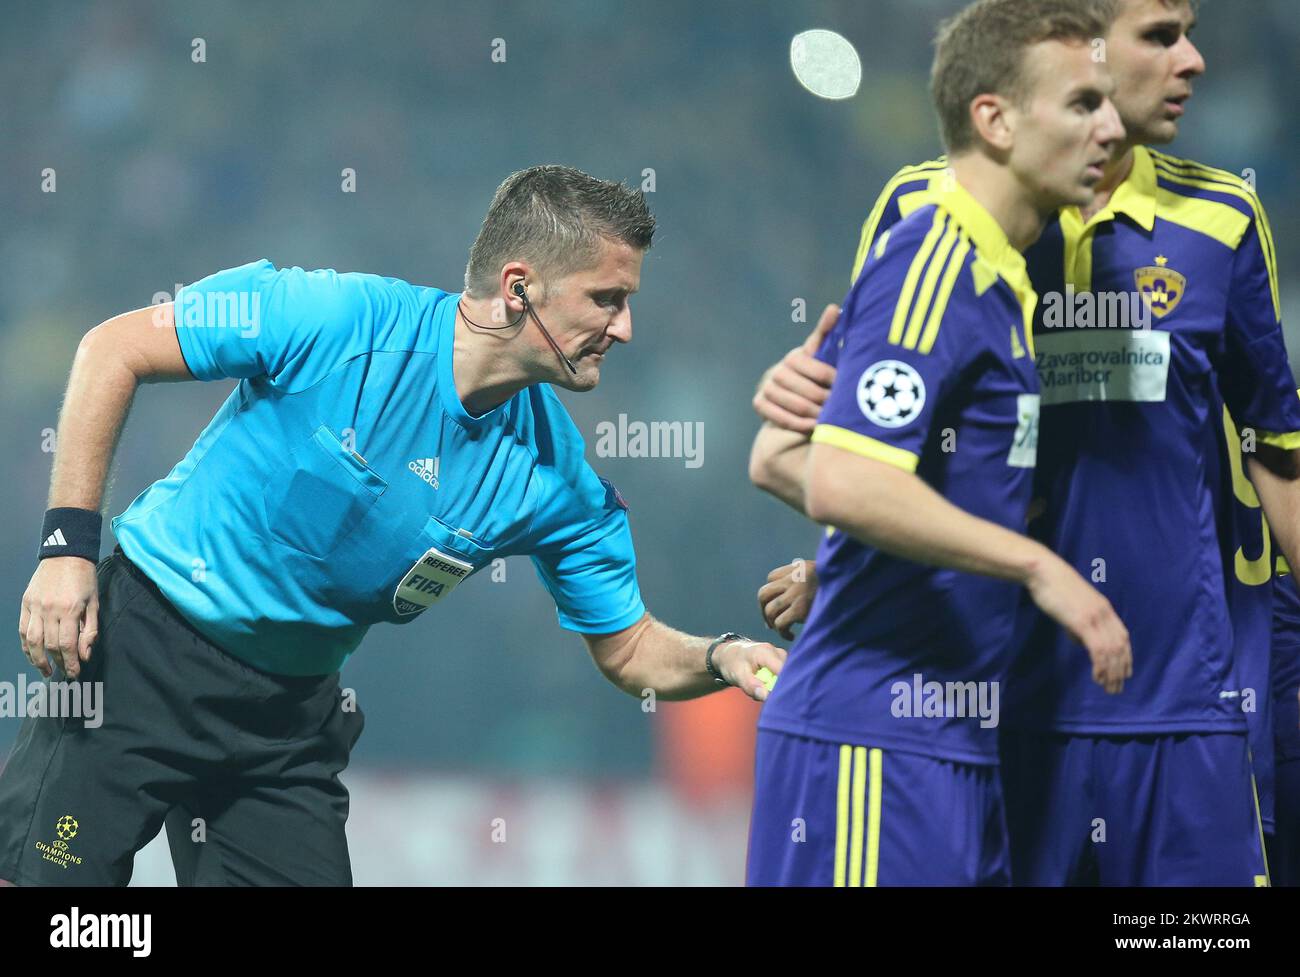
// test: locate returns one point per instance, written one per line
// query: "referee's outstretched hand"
(740, 660)
(60, 615)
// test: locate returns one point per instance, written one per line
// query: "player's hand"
(787, 596)
(792, 392)
(1087, 617)
(739, 660)
(60, 615)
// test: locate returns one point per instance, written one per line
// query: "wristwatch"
(721, 639)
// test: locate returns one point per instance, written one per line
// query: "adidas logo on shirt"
(56, 539)
(426, 468)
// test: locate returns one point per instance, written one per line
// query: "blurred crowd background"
(168, 170)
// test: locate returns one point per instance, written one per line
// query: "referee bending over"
(385, 442)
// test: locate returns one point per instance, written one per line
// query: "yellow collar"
(1135, 197)
(991, 243)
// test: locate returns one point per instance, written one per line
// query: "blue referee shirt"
(343, 483)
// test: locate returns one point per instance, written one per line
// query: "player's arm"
(894, 510)
(1275, 473)
(791, 392)
(1256, 382)
(789, 398)
(885, 506)
(651, 655)
(780, 451)
(776, 464)
(59, 615)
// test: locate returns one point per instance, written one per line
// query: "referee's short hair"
(555, 218)
(982, 50)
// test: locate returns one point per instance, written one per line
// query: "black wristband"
(70, 532)
(721, 639)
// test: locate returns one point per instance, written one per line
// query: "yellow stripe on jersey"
(1220, 181)
(1241, 188)
(860, 444)
(1270, 257)
(842, 817)
(873, 817)
(1224, 223)
(1287, 441)
(955, 265)
(922, 304)
(1190, 174)
(859, 796)
(919, 262)
(870, 225)
(1183, 163)
(1251, 571)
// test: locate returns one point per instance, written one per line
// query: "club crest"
(1160, 286)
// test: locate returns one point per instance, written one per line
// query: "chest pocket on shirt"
(322, 498)
(449, 558)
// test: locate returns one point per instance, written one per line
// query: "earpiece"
(518, 289)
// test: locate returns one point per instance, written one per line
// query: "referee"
(385, 442)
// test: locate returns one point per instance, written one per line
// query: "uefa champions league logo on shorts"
(891, 393)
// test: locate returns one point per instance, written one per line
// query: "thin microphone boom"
(528, 307)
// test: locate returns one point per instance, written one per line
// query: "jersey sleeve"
(288, 325)
(893, 205)
(588, 565)
(901, 347)
(1255, 375)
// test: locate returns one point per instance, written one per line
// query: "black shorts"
(247, 763)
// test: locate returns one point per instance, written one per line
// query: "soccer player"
(385, 442)
(921, 464)
(1128, 478)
